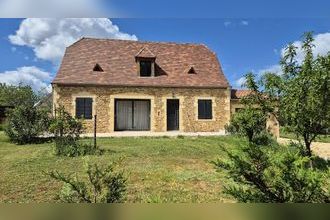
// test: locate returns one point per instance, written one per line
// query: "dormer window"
(146, 68)
(97, 68)
(192, 71)
(146, 62)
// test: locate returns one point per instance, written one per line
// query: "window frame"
(84, 108)
(152, 67)
(207, 117)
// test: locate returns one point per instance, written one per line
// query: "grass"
(158, 169)
(320, 138)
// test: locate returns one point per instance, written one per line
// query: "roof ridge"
(142, 41)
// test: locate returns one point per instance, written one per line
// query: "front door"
(132, 115)
(172, 114)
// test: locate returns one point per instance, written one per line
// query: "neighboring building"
(132, 85)
(272, 125)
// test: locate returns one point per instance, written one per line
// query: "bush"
(103, 185)
(26, 123)
(67, 131)
(248, 122)
(273, 174)
(64, 125)
(67, 146)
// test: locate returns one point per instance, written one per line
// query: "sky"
(31, 49)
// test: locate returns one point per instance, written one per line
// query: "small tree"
(103, 185)
(300, 96)
(67, 131)
(247, 122)
(25, 124)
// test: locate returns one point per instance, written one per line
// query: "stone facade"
(104, 99)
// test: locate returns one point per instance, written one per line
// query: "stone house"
(143, 86)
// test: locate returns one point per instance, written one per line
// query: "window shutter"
(84, 108)
(208, 109)
(88, 108)
(79, 107)
(205, 109)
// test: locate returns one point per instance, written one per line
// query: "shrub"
(64, 125)
(67, 131)
(273, 174)
(26, 123)
(67, 146)
(103, 185)
(248, 122)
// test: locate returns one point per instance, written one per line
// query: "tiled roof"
(117, 58)
(238, 94)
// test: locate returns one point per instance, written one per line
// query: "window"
(97, 68)
(192, 71)
(204, 109)
(84, 108)
(145, 68)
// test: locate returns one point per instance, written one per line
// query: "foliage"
(64, 125)
(17, 95)
(26, 123)
(300, 96)
(104, 185)
(247, 122)
(67, 131)
(67, 146)
(273, 174)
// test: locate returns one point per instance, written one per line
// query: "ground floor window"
(132, 115)
(84, 108)
(205, 109)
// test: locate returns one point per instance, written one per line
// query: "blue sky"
(242, 44)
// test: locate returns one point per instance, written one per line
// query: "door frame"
(179, 112)
(132, 100)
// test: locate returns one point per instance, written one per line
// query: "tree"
(67, 130)
(300, 96)
(103, 185)
(25, 121)
(17, 95)
(247, 122)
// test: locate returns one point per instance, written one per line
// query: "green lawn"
(158, 169)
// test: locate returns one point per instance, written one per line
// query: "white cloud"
(321, 42)
(52, 8)
(271, 69)
(240, 82)
(27, 75)
(322, 47)
(245, 23)
(48, 37)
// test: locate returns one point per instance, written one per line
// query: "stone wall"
(103, 105)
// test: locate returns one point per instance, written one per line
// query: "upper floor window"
(205, 109)
(84, 108)
(146, 68)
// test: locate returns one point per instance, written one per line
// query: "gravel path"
(321, 149)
